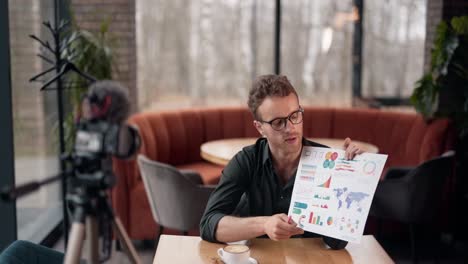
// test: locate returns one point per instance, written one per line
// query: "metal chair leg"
(118, 246)
(414, 255)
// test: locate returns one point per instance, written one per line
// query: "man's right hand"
(278, 228)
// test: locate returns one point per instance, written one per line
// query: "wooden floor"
(145, 251)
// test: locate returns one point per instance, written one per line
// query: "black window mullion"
(8, 227)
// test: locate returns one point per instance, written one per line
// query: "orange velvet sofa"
(174, 137)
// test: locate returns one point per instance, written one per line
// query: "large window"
(205, 52)
(316, 46)
(193, 53)
(201, 52)
(393, 47)
(34, 119)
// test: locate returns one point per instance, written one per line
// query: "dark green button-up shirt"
(249, 186)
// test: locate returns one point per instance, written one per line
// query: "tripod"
(88, 206)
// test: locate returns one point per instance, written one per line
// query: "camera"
(96, 141)
(101, 133)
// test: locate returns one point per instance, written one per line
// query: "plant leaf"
(424, 96)
(460, 25)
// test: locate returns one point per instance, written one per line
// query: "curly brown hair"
(269, 85)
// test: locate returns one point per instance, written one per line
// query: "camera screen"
(129, 142)
(88, 141)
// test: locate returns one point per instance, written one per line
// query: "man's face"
(288, 139)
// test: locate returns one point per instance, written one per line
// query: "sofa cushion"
(210, 173)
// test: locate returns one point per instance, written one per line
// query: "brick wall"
(90, 13)
(436, 11)
(28, 114)
(433, 17)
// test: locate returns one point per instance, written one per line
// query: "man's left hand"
(351, 149)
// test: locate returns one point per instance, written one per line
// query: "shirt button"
(281, 196)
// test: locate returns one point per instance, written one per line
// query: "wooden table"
(221, 151)
(189, 249)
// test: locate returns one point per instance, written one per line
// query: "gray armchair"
(413, 195)
(177, 198)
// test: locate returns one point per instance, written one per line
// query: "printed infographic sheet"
(332, 196)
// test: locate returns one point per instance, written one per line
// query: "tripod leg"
(126, 243)
(76, 238)
(92, 239)
(75, 243)
(121, 233)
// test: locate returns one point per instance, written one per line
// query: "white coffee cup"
(235, 254)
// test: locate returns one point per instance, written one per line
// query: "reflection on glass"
(34, 116)
(198, 52)
(393, 53)
(193, 53)
(316, 46)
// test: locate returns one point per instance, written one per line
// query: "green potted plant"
(90, 52)
(443, 92)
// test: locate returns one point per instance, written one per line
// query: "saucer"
(253, 261)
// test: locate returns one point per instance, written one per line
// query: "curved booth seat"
(174, 137)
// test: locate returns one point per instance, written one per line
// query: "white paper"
(332, 196)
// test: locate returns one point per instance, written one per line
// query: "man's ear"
(258, 126)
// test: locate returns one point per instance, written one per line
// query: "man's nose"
(289, 125)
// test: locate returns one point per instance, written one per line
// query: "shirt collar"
(265, 151)
(266, 155)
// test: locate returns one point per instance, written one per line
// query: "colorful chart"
(345, 165)
(298, 207)
(328, 164)
(369, 167)
(309, 167)
(326, 184)
(323, 197)
(316, 219)
(349, 225)
(297, 211)
(301, 220)
(332, 195)
(330, 158)
(314, 154)
(308, 172)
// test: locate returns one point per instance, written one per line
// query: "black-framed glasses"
(279, 123)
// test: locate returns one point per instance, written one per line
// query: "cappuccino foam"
(236, 248)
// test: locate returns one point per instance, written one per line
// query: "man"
(25, 252)
(254, 193)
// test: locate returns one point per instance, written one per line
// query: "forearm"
(232, 228)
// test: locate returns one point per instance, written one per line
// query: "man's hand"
(278, 228)
(351, 149)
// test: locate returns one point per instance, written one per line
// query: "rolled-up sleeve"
(224, 199)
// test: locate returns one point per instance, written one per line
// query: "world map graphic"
(348, 198)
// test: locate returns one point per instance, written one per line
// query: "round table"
(221, 151)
